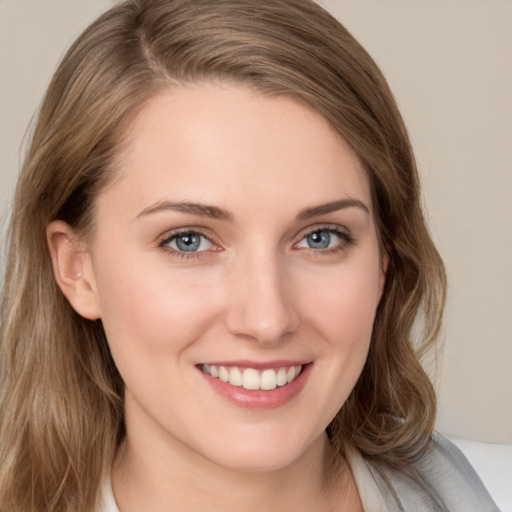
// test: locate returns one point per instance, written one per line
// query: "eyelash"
(346, 241)
(163, 244)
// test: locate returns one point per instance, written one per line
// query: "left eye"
(188, 242)
(321, 239)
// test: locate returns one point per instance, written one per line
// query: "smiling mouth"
(252, 379)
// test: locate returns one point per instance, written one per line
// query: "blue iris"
(188, 242)
(319, 240)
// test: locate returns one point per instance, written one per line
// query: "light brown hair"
(61, 397)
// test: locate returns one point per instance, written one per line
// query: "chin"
(259, 462)
(260, 454)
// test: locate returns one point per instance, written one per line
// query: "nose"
(261, 307)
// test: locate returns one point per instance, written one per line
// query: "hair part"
(61, 396)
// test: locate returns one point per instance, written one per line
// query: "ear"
(72, 268)
(386, 254)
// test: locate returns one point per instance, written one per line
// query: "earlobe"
(72, 269)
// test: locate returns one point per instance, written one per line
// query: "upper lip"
(259, 365)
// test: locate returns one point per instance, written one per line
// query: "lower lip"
(258, 399)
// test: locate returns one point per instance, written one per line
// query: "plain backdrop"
(449, 63)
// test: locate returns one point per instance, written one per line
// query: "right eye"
(325, 239)
(187, 242)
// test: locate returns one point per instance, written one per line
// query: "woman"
(218, 240)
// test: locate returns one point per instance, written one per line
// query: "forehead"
(226, 143)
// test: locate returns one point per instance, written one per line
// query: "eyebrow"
(333, 206)
(201, 210)
(214, 212)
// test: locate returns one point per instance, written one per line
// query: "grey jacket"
(450, 484)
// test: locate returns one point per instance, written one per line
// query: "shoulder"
(443, 481)
(445, 468)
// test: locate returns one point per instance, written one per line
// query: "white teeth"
(253, 379)
(281, 377)
(223, 374)
(268, 380)
(235, 377)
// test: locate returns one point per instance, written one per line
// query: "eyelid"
(322, 227)
(342, 232)
(168, 236)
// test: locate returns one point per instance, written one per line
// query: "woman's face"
(237, 244)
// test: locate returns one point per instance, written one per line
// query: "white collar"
(107, 502)
(369, 492)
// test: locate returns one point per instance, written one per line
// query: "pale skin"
(239, 229)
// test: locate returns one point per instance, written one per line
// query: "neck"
(146, 477)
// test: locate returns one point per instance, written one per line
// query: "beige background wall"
(450, 65)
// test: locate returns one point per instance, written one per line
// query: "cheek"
(343, 304)
(154, 309)
(338, 313)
